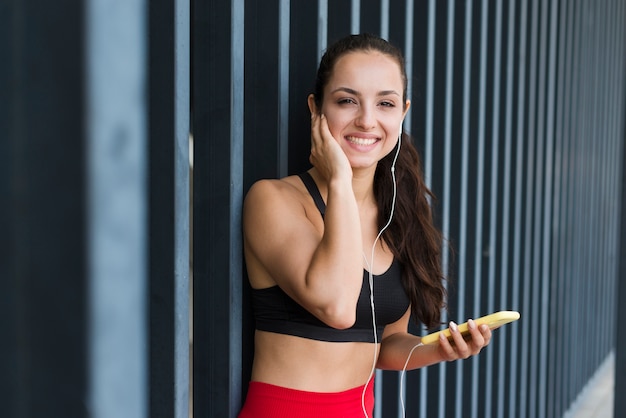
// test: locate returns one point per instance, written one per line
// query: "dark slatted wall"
(518, 111)
(518, 114)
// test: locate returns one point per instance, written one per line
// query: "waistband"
(265, 400)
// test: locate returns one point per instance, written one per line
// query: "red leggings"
(270, 401)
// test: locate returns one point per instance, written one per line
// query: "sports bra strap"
(313, 191)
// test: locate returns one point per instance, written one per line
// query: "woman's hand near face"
(326, 153)
(462, 348)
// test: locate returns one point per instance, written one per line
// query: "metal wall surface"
(43, 265)
(517, 110)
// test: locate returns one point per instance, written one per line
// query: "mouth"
(362, 141)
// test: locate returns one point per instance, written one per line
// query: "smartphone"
(493, 320)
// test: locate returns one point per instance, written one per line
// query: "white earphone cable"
(370, 268)
(406, 363)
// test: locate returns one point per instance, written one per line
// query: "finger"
(324, 130)
(447, 351)
(477, 337)
(315, 135)
(314, 123)
(460, 344)
(486, 332)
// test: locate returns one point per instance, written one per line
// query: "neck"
(363, 186)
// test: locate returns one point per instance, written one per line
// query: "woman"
(315, 243)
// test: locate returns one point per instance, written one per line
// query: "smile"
(361, 141)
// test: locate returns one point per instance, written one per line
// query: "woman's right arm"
(321, 270)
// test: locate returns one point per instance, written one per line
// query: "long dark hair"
(412, 235)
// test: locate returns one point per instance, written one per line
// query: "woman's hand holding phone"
(463, 345)
(467, 339)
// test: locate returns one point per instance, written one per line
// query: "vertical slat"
(548, 313)
(355, 16)
(371, 14)
(480, 198)
(427, 157)
(168, 151)
(408, 57)
(463, 225)
(384, 19)
(555, 394)
(235, 184)
(430, 93)
(600, 139)
(620, 131)
(572, 135)
(536, 138)
(518, 355)
(565, 185)
(322, 27)
(43, 234)
(529, 325)
(266, 89)
(541, 241)
(283, 85)
(182, 86)
(304, 53)
(583, 184)
(597, 141)
(492, 242)
(505, 238)
(612, 225)
(118, 248)
(586, 179)
(447, 179)
(12, 385)
(338, 20)
(217, 198)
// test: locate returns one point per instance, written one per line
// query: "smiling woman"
(340, 256)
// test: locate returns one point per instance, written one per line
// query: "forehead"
(367, 69)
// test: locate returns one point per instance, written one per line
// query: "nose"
(365, 119)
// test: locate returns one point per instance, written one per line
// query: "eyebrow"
(356, 93)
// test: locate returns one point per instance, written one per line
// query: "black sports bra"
(275, 311)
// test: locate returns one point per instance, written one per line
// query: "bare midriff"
(311, 365)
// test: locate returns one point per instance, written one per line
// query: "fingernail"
(471, 324)
(453, 326)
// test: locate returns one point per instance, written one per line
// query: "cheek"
(335, 125)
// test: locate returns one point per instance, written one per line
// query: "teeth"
(361, 141)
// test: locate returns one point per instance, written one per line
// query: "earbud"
(400, 134)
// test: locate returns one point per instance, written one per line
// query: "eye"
(387, 104)
(346, 100)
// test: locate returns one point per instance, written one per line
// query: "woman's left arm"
(397, 343)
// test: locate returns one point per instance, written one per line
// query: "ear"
(407, 105)
(312, 105)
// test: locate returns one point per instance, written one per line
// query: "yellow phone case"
(494, 321)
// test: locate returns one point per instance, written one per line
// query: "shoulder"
(275, 199)
(285, 190)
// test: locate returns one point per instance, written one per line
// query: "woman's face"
(364, 107)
